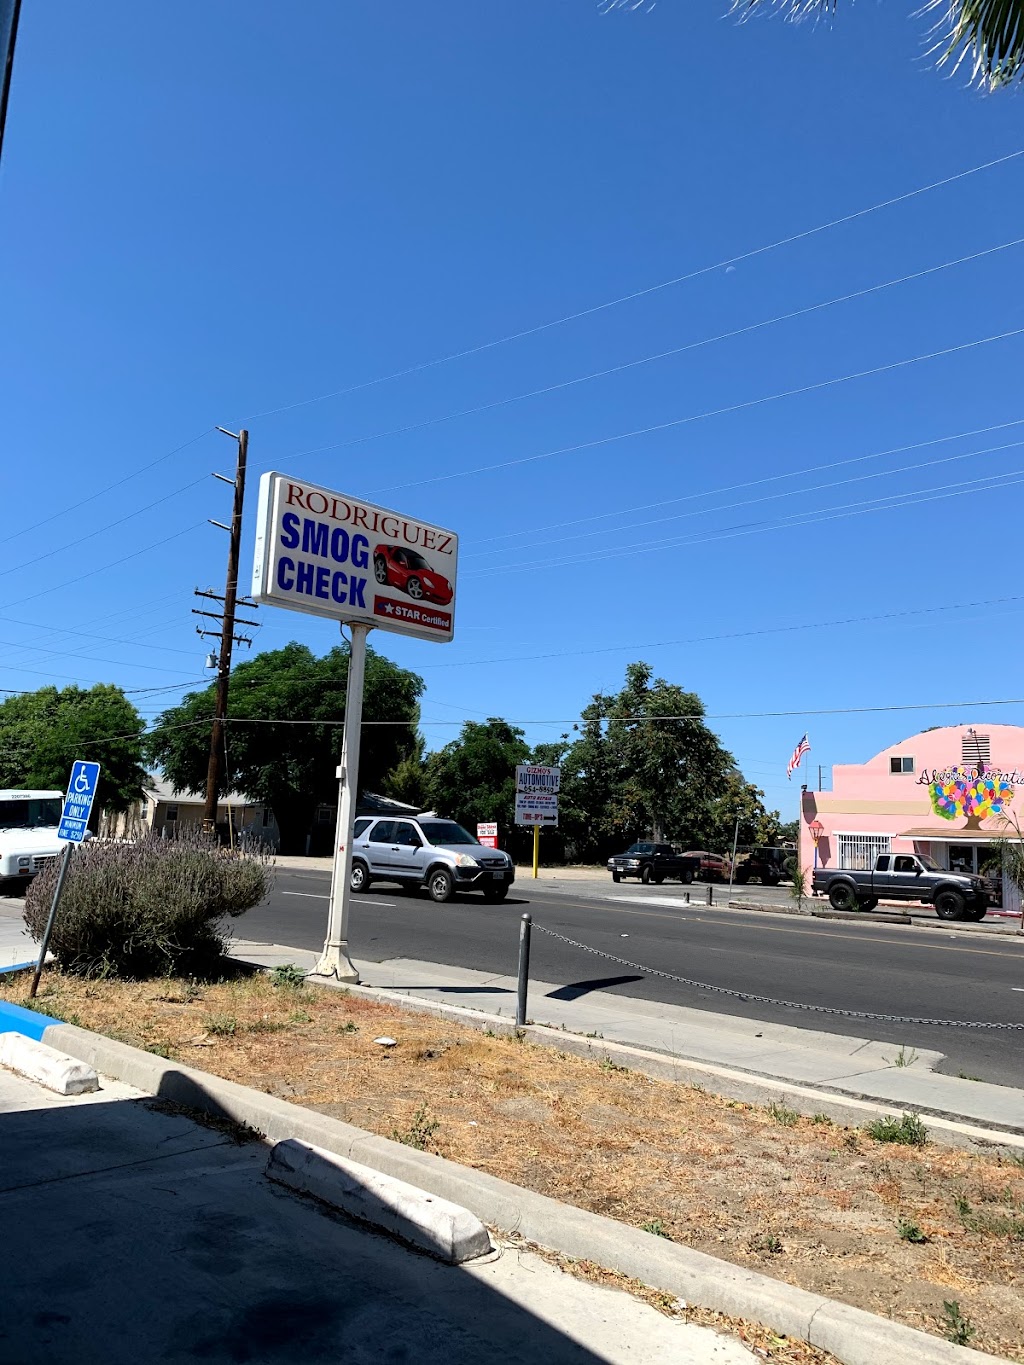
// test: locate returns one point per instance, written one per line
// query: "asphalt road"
(886, 969)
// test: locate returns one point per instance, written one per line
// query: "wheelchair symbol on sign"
(81, 781)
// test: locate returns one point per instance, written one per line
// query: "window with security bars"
(975, 748)
(857, 852)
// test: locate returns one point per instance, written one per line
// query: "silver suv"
(428, 851)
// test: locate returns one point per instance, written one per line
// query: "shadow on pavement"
(132, 1234)
(599, 983)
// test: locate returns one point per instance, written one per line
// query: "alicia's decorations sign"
(977, 793)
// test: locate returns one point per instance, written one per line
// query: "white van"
(28, 831)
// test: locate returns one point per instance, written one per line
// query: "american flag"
(802, 748)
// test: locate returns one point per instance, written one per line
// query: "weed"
(222, 1025)
(988, 1223)
(766, 1242)
(698, 1089)
(963, 1208)
(656, 1227)
(820, 1118)
(595, 1034)
(421, 1130)
(300, 1017)
(910, 1232)
(265, 1025)
(288, 976)
(966, 1076)
(908, 1130)
(608, 1065)
(905, 1058)
(959, 1329)
(159, 1049)
(787, 1117)
(349, 1028)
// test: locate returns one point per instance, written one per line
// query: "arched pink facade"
(948, 792)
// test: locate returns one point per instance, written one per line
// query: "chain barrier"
(767, 999)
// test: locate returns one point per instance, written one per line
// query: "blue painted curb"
(18, 967)
(14, 1019)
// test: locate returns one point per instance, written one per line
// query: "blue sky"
(213, 211)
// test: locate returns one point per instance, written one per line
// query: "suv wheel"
(950, 905)
(686, 877)
(842, 897)
(440, 885)
(616, 876)
(359, 878)
(645, 874)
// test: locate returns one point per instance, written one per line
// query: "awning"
(955, 836)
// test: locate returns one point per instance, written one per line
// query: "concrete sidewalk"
(859, 1068)
(16, 945)
(143, 1236)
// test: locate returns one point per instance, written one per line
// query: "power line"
(646, 360)
(71, 582)
(640, 293)
(730, 635)
(756, 483)
(101, 492)
(710, 412)
(886, 504)
(801, 492)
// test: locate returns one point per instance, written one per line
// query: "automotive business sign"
(330, 554)
(537, 794)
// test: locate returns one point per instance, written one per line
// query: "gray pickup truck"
(905, 877)
(653, 863)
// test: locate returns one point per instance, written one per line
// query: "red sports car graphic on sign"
(400, 567)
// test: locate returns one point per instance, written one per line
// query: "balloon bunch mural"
(971, 794)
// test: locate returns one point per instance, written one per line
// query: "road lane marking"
(320, 896)
(833, 935)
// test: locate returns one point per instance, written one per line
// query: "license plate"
(497, 876)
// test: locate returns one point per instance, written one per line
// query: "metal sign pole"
(732, 865)
(65, 863)
(335, 960)
(536, 849)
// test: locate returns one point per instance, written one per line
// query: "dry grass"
(810, 1203)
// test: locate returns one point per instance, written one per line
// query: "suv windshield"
(445, 832)
(36, 813)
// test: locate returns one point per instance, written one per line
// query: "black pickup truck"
(905, 877)
(653, 863)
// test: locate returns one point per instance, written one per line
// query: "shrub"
(907, 1130)
(151, 908)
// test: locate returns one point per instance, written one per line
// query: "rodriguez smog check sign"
(330, 554)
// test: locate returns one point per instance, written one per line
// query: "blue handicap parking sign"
(78, 803)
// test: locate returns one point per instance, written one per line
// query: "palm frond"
(986, 36)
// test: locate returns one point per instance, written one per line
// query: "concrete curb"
(877, 916)
(853, 1335)
(733, 1083)
(30, 1023)
(45, 1065)
(442, 1229)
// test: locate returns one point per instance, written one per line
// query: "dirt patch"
(897, 1230)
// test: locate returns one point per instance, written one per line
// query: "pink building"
(947, 792)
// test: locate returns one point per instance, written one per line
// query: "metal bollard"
(525, 929)
(711, 895)
(687, 895)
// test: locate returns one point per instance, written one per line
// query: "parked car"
(427, 852)
(712, 867)
(399, 567)
(652, 863)
(766, 865)
(906, 877)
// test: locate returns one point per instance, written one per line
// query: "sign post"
(74, 824)
(537, 801)
(331, 554)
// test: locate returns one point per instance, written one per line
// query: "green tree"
(986, 37)
(292, 767)
(758, 825)
(42, 733)
(474, 777)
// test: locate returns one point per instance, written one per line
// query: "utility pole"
(10, 11)
(226, 634)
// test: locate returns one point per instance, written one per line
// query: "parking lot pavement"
(133, 1234)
